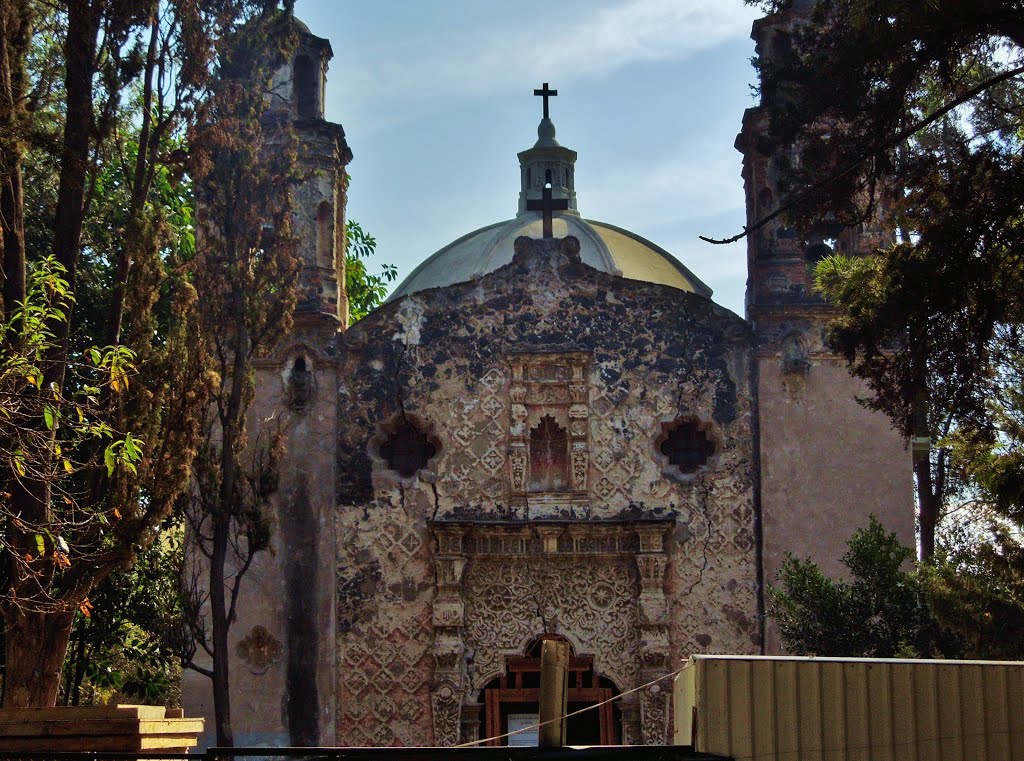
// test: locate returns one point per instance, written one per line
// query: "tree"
(120, 652)
(910, 115)
(94, 99)
(243, 159)
(881, 613)
(365, 291)
(976, 583)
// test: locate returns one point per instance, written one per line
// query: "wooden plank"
(880, 711)
(788, 706)
(951, 748)
(82, 713)
(808, 687)
(995, 698)
(101, 727)
(833, 711)
(1015, 711)
(741, 718)
(971, 681)
(763, 713)
(130, 743)
(904, 731)
(714, 719)
(926, 712)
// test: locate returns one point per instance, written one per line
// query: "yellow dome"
(602, 246)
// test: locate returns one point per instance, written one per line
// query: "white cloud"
(469, 62)
(695, 180)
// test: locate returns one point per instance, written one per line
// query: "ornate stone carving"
(580, 580)
(549, 386)
(259, 649)
(446, 703)
(652, 609)
(448, 619)
(654, 714)
(580, 461)
(517, 460)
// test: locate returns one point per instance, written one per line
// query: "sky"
(436, 99)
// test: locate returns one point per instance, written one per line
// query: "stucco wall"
(827, 465)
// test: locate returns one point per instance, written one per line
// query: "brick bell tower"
(826, 462)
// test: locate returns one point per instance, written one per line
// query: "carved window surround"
(553, 385)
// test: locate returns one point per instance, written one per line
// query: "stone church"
(538, 436)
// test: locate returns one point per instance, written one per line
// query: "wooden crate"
(98, 728)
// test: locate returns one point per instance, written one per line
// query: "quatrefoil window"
(687, 446)
(407, 449)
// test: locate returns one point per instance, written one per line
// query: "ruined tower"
(826, 462)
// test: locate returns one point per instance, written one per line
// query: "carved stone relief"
(549, 396)
(599, 585)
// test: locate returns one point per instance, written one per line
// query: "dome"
(602, 246)
(548, 170)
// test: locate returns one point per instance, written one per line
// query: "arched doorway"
(512, 700)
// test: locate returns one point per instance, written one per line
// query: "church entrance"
(512, 701)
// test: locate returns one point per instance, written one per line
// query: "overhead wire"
(577, 712)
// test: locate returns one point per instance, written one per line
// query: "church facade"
(538, 435)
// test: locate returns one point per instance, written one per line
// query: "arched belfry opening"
(512, 701)
(306, 87)
(324, 235)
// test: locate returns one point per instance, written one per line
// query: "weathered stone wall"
(425, 611)
(282, 654)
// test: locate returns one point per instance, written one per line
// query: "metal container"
(850, 709)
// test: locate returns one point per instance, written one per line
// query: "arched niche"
(306, 87)
(511, 700)
(548, 447)
(324, 235)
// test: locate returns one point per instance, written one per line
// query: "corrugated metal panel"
(856, 709)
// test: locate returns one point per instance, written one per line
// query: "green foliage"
(975, 585)
(49, 430)
(365, 291)
(119, 652)
(880, 612)
(927, 144)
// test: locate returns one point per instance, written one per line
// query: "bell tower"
(826, 463)
(318, 200)
(282, 642)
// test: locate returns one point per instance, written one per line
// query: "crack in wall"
(703, 500)
(437, 500)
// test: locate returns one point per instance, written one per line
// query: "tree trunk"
(927, 505)
(35, 648)
(13, 46)
(219, 614)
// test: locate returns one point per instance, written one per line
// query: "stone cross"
(547, 204)
(545, 93)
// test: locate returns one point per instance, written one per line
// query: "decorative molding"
(601, 585)
(448, 618)
(553, 385)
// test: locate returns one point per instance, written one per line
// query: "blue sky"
(437, 98)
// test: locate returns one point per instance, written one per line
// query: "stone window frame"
(386, 429)
(704, 426)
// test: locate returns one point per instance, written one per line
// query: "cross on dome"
(546, 93)
(546, 205)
